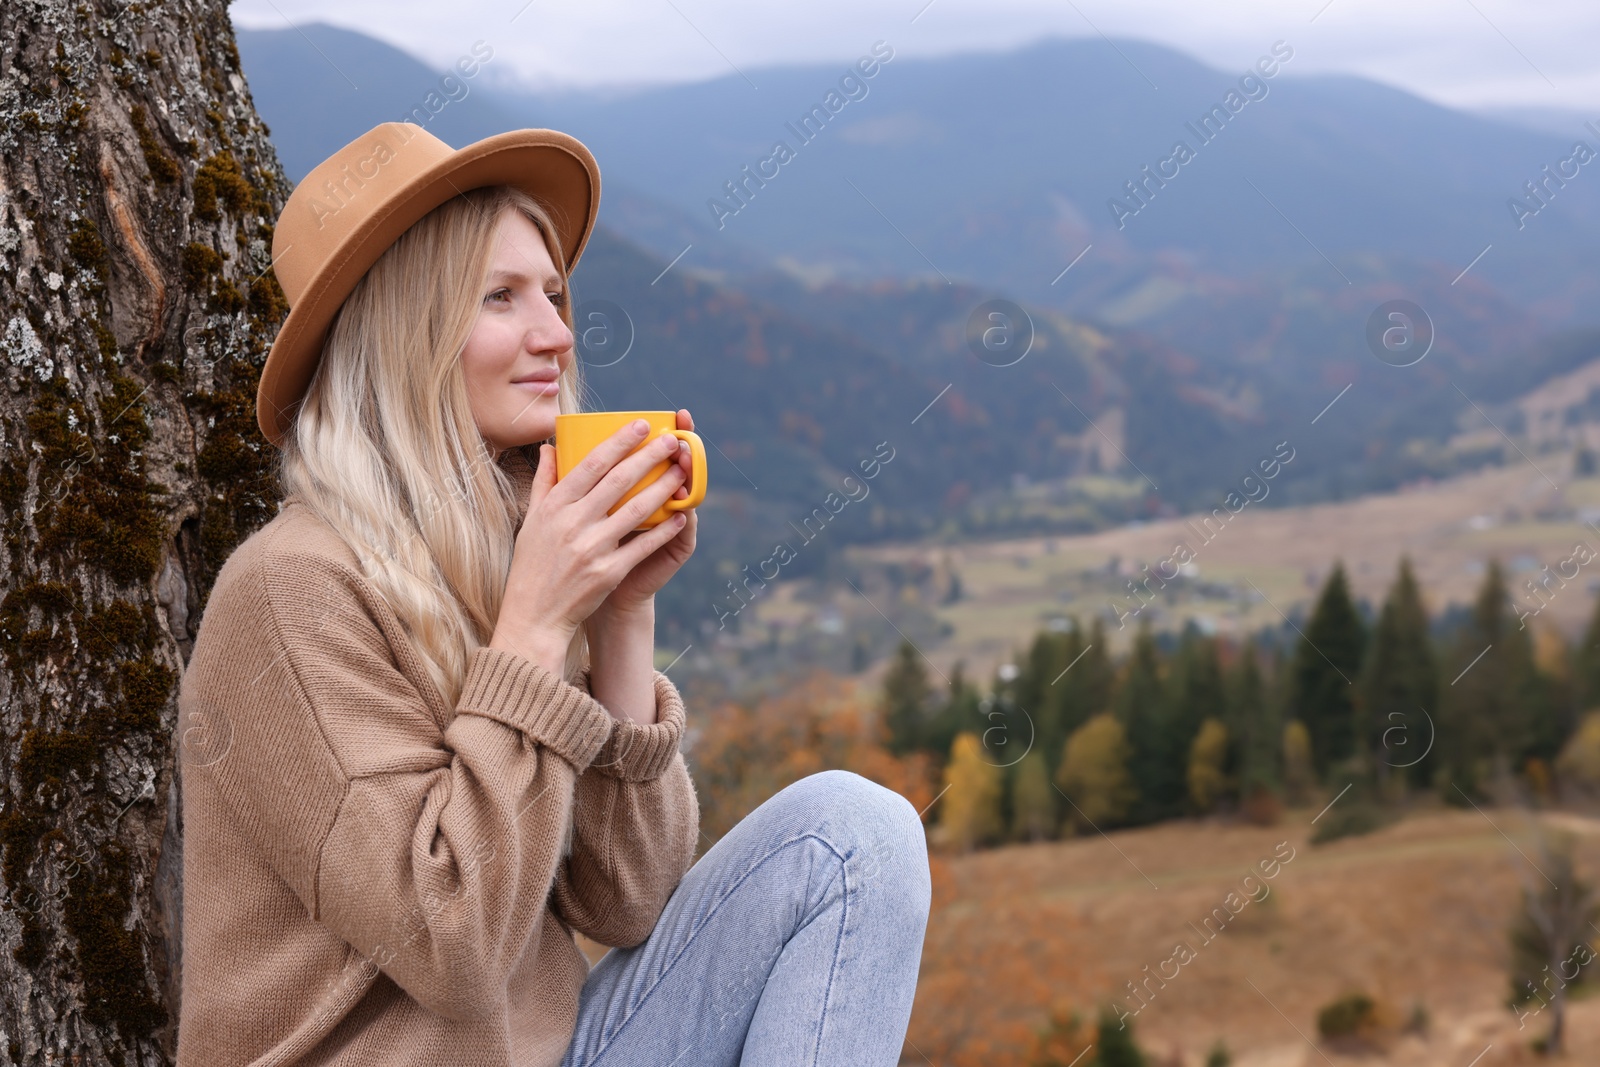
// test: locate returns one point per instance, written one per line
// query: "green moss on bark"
(220, 179)
(111, 959)
(163, 168)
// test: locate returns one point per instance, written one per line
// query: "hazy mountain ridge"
(1036, 142)
(707, 330)
(1188, 370)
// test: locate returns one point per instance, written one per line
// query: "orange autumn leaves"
(740, 756)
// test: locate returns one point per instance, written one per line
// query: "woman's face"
(519, 344)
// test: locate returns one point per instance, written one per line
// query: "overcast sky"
(1466, 53)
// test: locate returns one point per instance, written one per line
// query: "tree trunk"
(137, 195)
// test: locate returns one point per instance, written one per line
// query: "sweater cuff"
(639, 752)
(518, 692)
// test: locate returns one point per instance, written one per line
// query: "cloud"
(1465, 55)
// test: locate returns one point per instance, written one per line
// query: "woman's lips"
(547, 388)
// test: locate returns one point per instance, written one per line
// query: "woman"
(423, 738)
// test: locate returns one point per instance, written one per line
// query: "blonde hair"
(385, 448)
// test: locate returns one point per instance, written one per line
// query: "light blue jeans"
(794, 940)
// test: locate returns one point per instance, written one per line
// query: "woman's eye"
(499, 294)
(558, 299)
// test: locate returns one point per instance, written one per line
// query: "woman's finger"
(649, 540)
(616, 450)
(630, 471)
(643, 503)
(544, 475)
(686, 462)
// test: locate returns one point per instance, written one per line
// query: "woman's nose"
(548, 333)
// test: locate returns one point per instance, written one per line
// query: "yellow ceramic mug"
(577, 434)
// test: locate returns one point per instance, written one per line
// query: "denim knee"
(877, 829)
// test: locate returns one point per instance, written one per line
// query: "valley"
(1263, 562)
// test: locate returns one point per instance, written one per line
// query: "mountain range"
(831, 305)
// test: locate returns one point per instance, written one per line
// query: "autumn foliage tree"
(1094, 774)
(741, 754)
(970, 803)
(1299, 776)
(1209, 780)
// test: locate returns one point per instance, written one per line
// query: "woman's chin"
(529, 421)
(525, 433)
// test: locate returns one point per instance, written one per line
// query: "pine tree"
(958, 712)
(1399, 684)
(1008, 734)
(1552, 704)
(1088, 684)
(1033, 805)
(1094, 774)
(1587, 664)
(1486, 711)
(1037, 694)
(1114, 1045)
(970, 813)
(1141, 706)
(905, 701)
(1326, 663)
(1255, 726)
(1036, 669)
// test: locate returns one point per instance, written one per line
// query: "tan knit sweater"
(371, 877)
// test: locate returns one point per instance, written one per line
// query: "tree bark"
(137, 195)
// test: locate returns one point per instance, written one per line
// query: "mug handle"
(697, 457)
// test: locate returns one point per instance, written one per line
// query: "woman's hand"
(639, 588)
(570, 554)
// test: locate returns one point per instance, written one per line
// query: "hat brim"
(552, 167)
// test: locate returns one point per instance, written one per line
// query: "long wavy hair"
(385, 448)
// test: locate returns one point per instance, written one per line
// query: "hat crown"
(342, 193)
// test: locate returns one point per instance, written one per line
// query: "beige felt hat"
(357, 202)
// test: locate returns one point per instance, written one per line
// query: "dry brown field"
(1415, 914)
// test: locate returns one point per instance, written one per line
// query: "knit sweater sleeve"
(635, 825)
(429, 847)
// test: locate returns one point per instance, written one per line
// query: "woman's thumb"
(544, 475)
